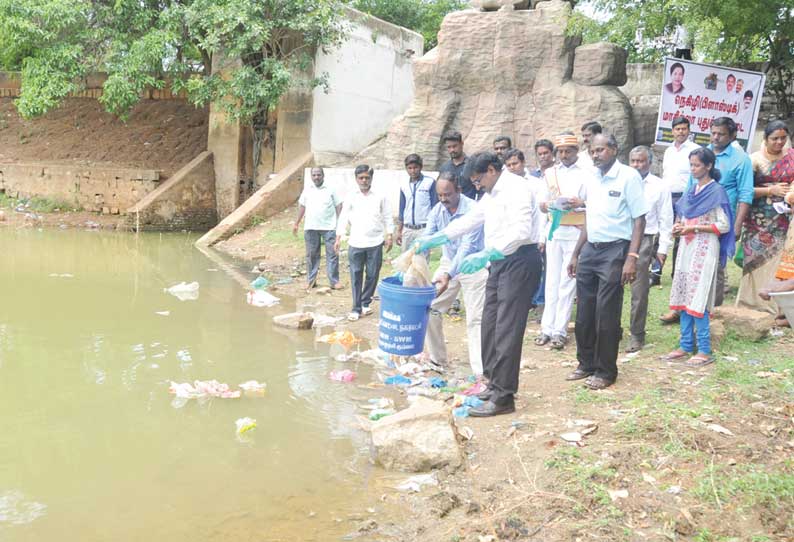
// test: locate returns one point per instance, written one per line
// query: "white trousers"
(473, 287)
(560, 288)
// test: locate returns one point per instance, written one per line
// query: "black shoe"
(492, 409)
(578, 374)
(485, 395)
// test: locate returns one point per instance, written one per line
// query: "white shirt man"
(675, 165)
(564, 180)
(658, 229)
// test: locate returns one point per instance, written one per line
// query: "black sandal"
(542, 339)
(558, 343)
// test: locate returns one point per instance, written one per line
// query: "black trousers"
(361, 259)
(599, 306)
(508, 295)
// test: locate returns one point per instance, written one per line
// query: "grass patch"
(37, 204)
(583, 477)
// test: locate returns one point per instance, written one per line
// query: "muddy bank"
(668, 453)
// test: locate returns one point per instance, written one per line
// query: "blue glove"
(474, 262)
(425, 243)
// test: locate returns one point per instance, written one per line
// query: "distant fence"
(11, 83)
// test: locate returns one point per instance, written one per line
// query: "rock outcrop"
(419, 438)
(507, 72)
(745, 323)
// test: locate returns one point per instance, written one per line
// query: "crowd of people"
(576, 228)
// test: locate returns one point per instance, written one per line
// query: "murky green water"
(91, 447)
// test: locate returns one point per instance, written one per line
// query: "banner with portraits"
(703, 92)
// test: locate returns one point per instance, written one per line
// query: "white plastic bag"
(416, 272)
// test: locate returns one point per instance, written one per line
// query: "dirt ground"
(159, 134)
(668, 453)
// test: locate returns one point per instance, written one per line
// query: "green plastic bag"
(738, 258)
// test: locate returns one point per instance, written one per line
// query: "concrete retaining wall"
(186, 201)
(108, 190)
(282, 191)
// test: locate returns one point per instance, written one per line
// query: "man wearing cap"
(604, 260)
(565, 183)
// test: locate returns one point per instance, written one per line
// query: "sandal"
(542, 339)
(675, 355)
(558, 343)
(699, 360)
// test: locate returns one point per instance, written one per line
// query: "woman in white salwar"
(707, 240)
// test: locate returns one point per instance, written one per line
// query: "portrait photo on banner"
(703, 92)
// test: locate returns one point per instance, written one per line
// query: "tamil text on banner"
(703, 92)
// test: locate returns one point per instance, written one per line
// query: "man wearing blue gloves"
(507, 213)
(449, 281)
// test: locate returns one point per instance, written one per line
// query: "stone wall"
(186, 201)
(99, 189)
(507, 72)
(10, 86)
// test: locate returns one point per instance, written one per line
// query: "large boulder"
(745, 323)
(419, 438)
(504, 73)
(600, 64)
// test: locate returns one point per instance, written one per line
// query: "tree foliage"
(729, 31)
(423, 16)
(144, 44)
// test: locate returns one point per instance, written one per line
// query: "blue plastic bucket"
(403, 316)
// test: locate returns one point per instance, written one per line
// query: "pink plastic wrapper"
(345, 375)
(479, 387)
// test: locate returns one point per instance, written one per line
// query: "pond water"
(91, 447)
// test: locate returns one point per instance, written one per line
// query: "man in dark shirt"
(458, 165)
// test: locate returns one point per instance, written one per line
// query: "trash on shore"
(345, 375)
(184, 291)
(397, 380)
(261, 298)
(260, 283)
(416, 483)
(244, 425)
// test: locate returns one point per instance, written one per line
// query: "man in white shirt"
(369, 216)
(604, 260)
(321, 206)
(658, 226)
(564, 185)
(507, 212)
(590, 129)
(675, 169)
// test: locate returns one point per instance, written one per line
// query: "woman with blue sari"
(707, 240)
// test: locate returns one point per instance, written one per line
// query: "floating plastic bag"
(244, 425)
(345, 375)
(260, 298)
(203, 388)
(345, 338)
(397, 380)
(253, 388)
(416, 272)
(184, 291)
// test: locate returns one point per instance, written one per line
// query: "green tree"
(143, 44)
(423, 16)
(728, 31)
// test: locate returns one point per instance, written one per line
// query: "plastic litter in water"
(397, 380)
(184, 291)
(163, 313)
(345, 338)
(203, 388)
(244, 425)
(253, 388)
(17, 510)
(345, 375)
(261, 298)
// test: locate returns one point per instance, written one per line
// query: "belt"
(599, 246)
(415, 227)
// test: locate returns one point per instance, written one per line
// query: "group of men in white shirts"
(495, 221)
